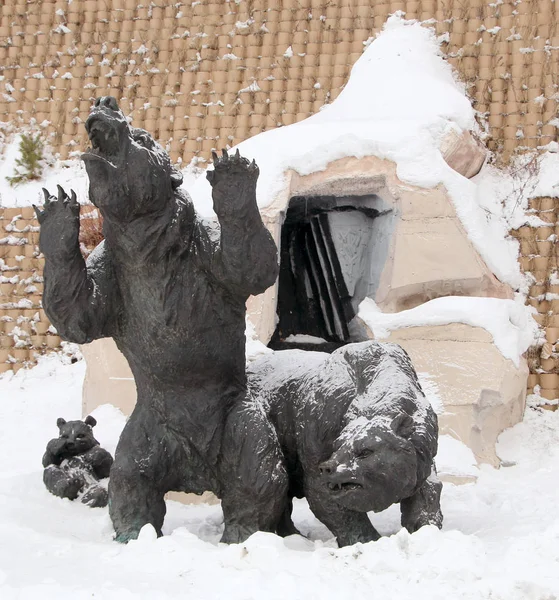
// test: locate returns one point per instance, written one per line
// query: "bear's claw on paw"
(226, 166)
(51, 204)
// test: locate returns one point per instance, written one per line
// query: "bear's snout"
(327, 467)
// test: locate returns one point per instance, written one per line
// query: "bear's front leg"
(233, 182)
(99, 460)
(79, 304)
(55, 452)
(60, 225)
(424, 507)
(348, 526)
(246, 261)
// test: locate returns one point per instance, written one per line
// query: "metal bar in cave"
(343, 297)
(316, 273)
(307, 288)
(325, 261)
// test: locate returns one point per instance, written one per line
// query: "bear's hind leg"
(286, 526)
(139, 478)
(252, 475)
(134, 500)
(62, 483)
(424, 507)
(95, 497)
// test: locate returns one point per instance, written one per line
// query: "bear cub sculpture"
(74, 463)
(357, 434)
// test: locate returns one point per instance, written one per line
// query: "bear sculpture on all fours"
(171, 291)
(357, 433)
(74, 463)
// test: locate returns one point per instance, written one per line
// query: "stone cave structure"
(408, 246)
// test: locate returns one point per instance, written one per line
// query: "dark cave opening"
(325, 269)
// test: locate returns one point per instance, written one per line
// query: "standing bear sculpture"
(357, 433)
(171, 291)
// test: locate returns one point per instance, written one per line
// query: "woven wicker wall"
(24, 327)
(171, 65)
(208, 74)
(25, 331)
(539, 252)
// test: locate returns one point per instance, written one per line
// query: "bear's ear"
(176, 178)
(402, 425)
(60, 421)
(89, 420)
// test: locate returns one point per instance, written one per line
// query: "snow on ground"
(500, 539)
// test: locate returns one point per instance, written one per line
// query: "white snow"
(254, 348)
(499, 541)
(508, 321)
(302, 338)
(72, 175)
(455, 459)
(431, 391)
(504, 194)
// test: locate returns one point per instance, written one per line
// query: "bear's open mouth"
(93, 154)
(104, 140)
(344, 487)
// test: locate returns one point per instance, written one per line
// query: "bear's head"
(130, 174)
(374, 464)
(77, 435)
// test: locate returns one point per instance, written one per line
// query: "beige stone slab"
(205, 498)
(418, 204)
(457, 479)
(451, 332)
(482, 392)
(348, 176)
(108, 378)
(461, 368)
(431, 258)
(430, 249)
(463, 153)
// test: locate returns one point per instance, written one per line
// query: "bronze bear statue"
(357, 433)
(171, 291)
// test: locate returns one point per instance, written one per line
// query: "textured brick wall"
(539, 253)
(24, 328)
(25, 331)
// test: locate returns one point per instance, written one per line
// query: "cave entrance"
(327, 267)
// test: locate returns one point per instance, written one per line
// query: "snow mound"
(400, 101)
(508, 321)
(499, 539)
(455, 458)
